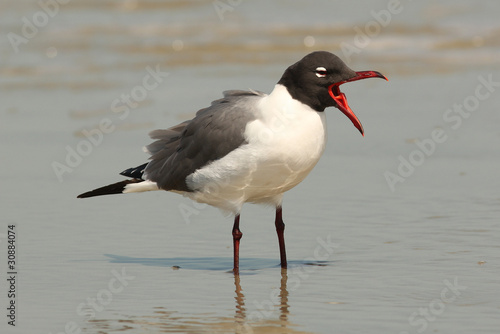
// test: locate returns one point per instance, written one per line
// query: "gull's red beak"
(341, 100)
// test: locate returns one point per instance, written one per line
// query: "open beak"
(341, 100)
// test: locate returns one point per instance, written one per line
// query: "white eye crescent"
(321, 72)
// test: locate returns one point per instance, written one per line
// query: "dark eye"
(321, 72)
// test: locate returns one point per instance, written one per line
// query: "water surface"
(416, 255)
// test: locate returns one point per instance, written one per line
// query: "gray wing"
(214, 132)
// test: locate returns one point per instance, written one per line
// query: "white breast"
(284, 143)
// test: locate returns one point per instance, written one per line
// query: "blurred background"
(412, 208)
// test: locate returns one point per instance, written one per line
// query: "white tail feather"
(140, 187)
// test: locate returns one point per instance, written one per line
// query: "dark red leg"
(236, 243)
(280, 228)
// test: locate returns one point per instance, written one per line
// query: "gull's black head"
(308, 79)
(315, 79)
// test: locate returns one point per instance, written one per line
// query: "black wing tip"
(135, 172)
(111, 189)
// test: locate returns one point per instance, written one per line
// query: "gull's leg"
(236, 243)
(280, 229)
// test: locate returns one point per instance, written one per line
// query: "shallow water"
(418, 255)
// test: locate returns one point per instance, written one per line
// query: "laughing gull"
(248, 146)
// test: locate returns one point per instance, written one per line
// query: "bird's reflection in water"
(240, 314)
(284, 296)
(243, 322)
